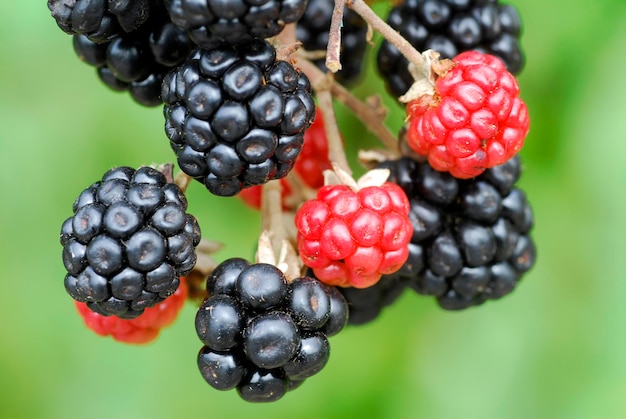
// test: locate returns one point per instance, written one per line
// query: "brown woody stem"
(371, 116)
(333, 49)
(389, 33)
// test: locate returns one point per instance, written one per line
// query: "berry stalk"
(389, 33)
(371, 116)
(333, 62)
(336, 152)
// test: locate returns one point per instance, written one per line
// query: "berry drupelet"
(102, 20)
(309, 169)
(128, 242)
(137, 62)
(213, 22)
(473, 120)
(141, 330)
(450, 27)
(312, 30)
(263, 334)
(366, 304)
(236, 116)
(351, 238)
(471, 239)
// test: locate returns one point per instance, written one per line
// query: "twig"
(271, 213)
(370, 117)
(389, 33)
(336, 152)
(333, 49)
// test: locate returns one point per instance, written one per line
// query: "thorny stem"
(389, 33)
(333, 49)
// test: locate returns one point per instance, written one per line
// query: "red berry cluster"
(143, 329)
(474, 120)
(352, 238)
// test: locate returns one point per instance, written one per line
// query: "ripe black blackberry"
(213, 22)
(137, 61)
(471, 239)
(312, 31)
(450, 27)
(101, 20)
(264, 335)
(128, 242)
(366, 304)
(236, 116)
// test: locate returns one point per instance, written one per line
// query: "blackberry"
(366, 304)
(450, 27)
(128, 242)
(236, 116)
(212, 22)
(137, 62)
(264, 335)
(471, 239)
(101, 20)
(312, 30)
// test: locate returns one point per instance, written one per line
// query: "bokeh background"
(555, 348)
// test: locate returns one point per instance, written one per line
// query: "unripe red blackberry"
(236, 116)
(141, 330)
(261, 332)
(213, 22)
(128, 242)
(450, 27)
(471, 238)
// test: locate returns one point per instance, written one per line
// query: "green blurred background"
(555, 348)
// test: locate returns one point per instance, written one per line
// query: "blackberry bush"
(236, 116)
(128, 242)
(441, 214)
(450, 27)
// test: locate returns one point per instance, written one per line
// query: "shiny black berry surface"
(471, 238)
(450, 27)
(264, 334)
(213, 22)
(128, 242)
(235, 116)
(312, 30)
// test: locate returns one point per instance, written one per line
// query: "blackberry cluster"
(136, 63)
(312, 31)
(366, 304)
(471, 239)
(128, 242)
(263, 335)
(213, 22)
(101, 20)
(450, 27)
(236, 116)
